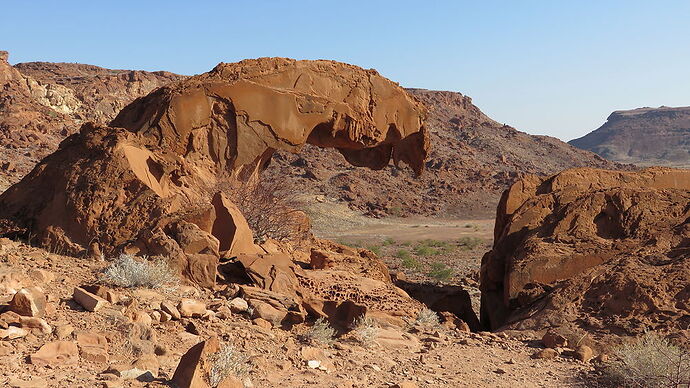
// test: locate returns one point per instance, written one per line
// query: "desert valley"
(310, 223)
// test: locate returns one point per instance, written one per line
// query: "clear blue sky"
(545, 67)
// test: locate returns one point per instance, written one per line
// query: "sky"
(556, 68)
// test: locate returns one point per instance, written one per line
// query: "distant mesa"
(643, 136)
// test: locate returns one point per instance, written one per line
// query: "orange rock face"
(591, 249)
(150, 182)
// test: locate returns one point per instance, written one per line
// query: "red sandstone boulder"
(592, 251)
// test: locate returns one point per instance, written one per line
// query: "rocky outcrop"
(644, 136)
(42, 103)
(151, 182)
(594, 250)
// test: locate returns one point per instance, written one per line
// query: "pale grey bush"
(321, 332)
(366, 330)
(228, 361)
(651, 361)
(428, 317)
(128, 272)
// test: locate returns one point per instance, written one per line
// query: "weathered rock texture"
(41, 103)
(150, 182)
(644, 136)
(594, 250)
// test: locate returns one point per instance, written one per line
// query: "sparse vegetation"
(470, 243)
(440, 271)
(271, 210)
(366, 330)
(388, 241)
(427, 317)
(428, 247)
(651, 361)
(376, 249)
(129, 272)
(226, 362)
(321, 332)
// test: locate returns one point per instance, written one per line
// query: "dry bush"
(271, 209)
(226, 362)
(128, 272)
(366, 330)
(651, 361)
(321, 332)
(428, 317)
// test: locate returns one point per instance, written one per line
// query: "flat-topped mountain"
(644, 136)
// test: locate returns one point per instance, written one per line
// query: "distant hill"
(644, 136)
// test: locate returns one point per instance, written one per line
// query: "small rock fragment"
(169, 307)
(584, 353)
(238, 305)
(56, 353)
(546, 354)
(554, 340)
(88, 300)
(29, 302)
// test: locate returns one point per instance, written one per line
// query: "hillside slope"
(644, 136)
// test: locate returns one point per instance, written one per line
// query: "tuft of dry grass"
(651, 361)
(128, 272)
(366, 330)
(428, 317)
(321, 332)
(228, 361)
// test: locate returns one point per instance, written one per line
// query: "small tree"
(271, 210)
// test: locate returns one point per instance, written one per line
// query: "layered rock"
(151, 182)
(594, 250)
(644, 136)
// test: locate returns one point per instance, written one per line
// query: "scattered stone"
(56, 353)
(142, 318)
(224, 312)
(35, 382)
(262, 323)
(128, 372)
(406, 384)
(546, 354)
(64, 331)
(160, 350)
(313, 364)
(36, 323)
(41, 276)
(499, 371)
(171, 310)
(602, 358)
(238, 305)
(94, 347)
(554, 340)
(147, 362)
(88, 300)
(13, 332)
(191, 308)
(584, 353)
(29, 302)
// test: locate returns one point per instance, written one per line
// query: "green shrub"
(440, 271)
(388, 241)
(470, 243)
(376, 249)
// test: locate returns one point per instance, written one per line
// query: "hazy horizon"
(541, 67)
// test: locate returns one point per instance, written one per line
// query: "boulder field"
(591, 251)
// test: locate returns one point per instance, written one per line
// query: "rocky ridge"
(643, 136)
